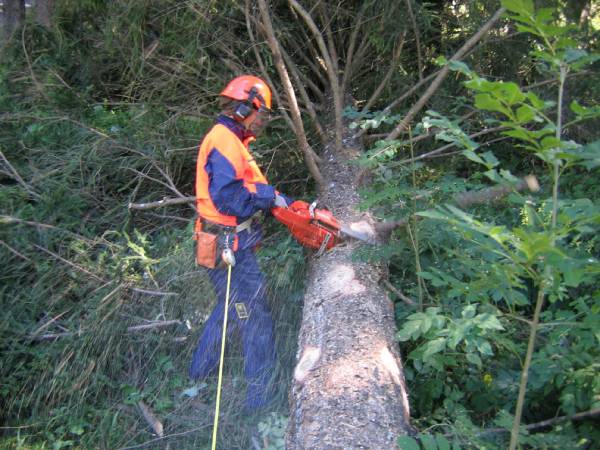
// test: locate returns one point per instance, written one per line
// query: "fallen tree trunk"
(349, 389)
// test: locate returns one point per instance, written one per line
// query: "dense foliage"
(106, 108)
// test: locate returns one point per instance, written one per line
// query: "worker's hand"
(280, 201)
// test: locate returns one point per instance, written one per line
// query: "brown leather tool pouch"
(206, 249)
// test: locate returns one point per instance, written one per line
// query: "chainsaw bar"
(360, 235)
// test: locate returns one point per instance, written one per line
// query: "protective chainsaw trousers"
(256, 331)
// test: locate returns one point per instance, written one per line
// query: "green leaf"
(432, 215)
(550, 142)
(522, 7)
(409, 331)
(473, 156)
(428, 442)
(474, 358)
(407, 443)
(574, 54)
(520, 133)
(510, 92)
(586, 60)
(440, 61)
(590, 155)
(577, 108)
(469, 311)
(487, 321)
(535, 101)
(490, 160)
(486, 102)
(442, 442)
(484, 347)
(493, 175)
(459, 66)
(433, 347)
(77, 430)
(525, 114)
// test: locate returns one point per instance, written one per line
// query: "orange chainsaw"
(315, 228)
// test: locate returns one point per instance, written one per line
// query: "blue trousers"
(248, 286)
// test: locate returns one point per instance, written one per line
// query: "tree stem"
(514, 435)
(556, 174)
(415, 234)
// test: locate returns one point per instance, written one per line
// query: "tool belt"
(216, 228)
(211, 238)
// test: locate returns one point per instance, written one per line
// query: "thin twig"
(451, 145)
(399, 294)
(348, 69)
(132, 329)
(417, 37)
(384, 229)
(310, 108)
(263, 69)
(395, 57)
(166, 201)
(18, 178)
(69, 263)
(12, 250)
(152, 325)
(154, 441)
(11, 219)
(151, 292)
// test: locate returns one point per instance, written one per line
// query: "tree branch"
(262, 66)
(289, 90)
(436, 83)
(166, 201)
(352, 44)
(331, 72)
(465, 200)
(308, 103)
(399, 294)
(448, 146)
(400, 99)
(388, 75)
(417, 37)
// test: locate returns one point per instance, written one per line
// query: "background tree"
(13, 16)
(43, 12)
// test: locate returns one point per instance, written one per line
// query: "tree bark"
(14, 16)
(349, 389)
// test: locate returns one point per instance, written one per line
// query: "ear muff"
(246, 107)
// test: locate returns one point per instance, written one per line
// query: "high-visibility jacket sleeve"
(228, 192)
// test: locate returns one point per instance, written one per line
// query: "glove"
(280, 201)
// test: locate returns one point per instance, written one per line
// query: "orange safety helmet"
(248, 87)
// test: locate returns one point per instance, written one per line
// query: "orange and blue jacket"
(230, 186)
